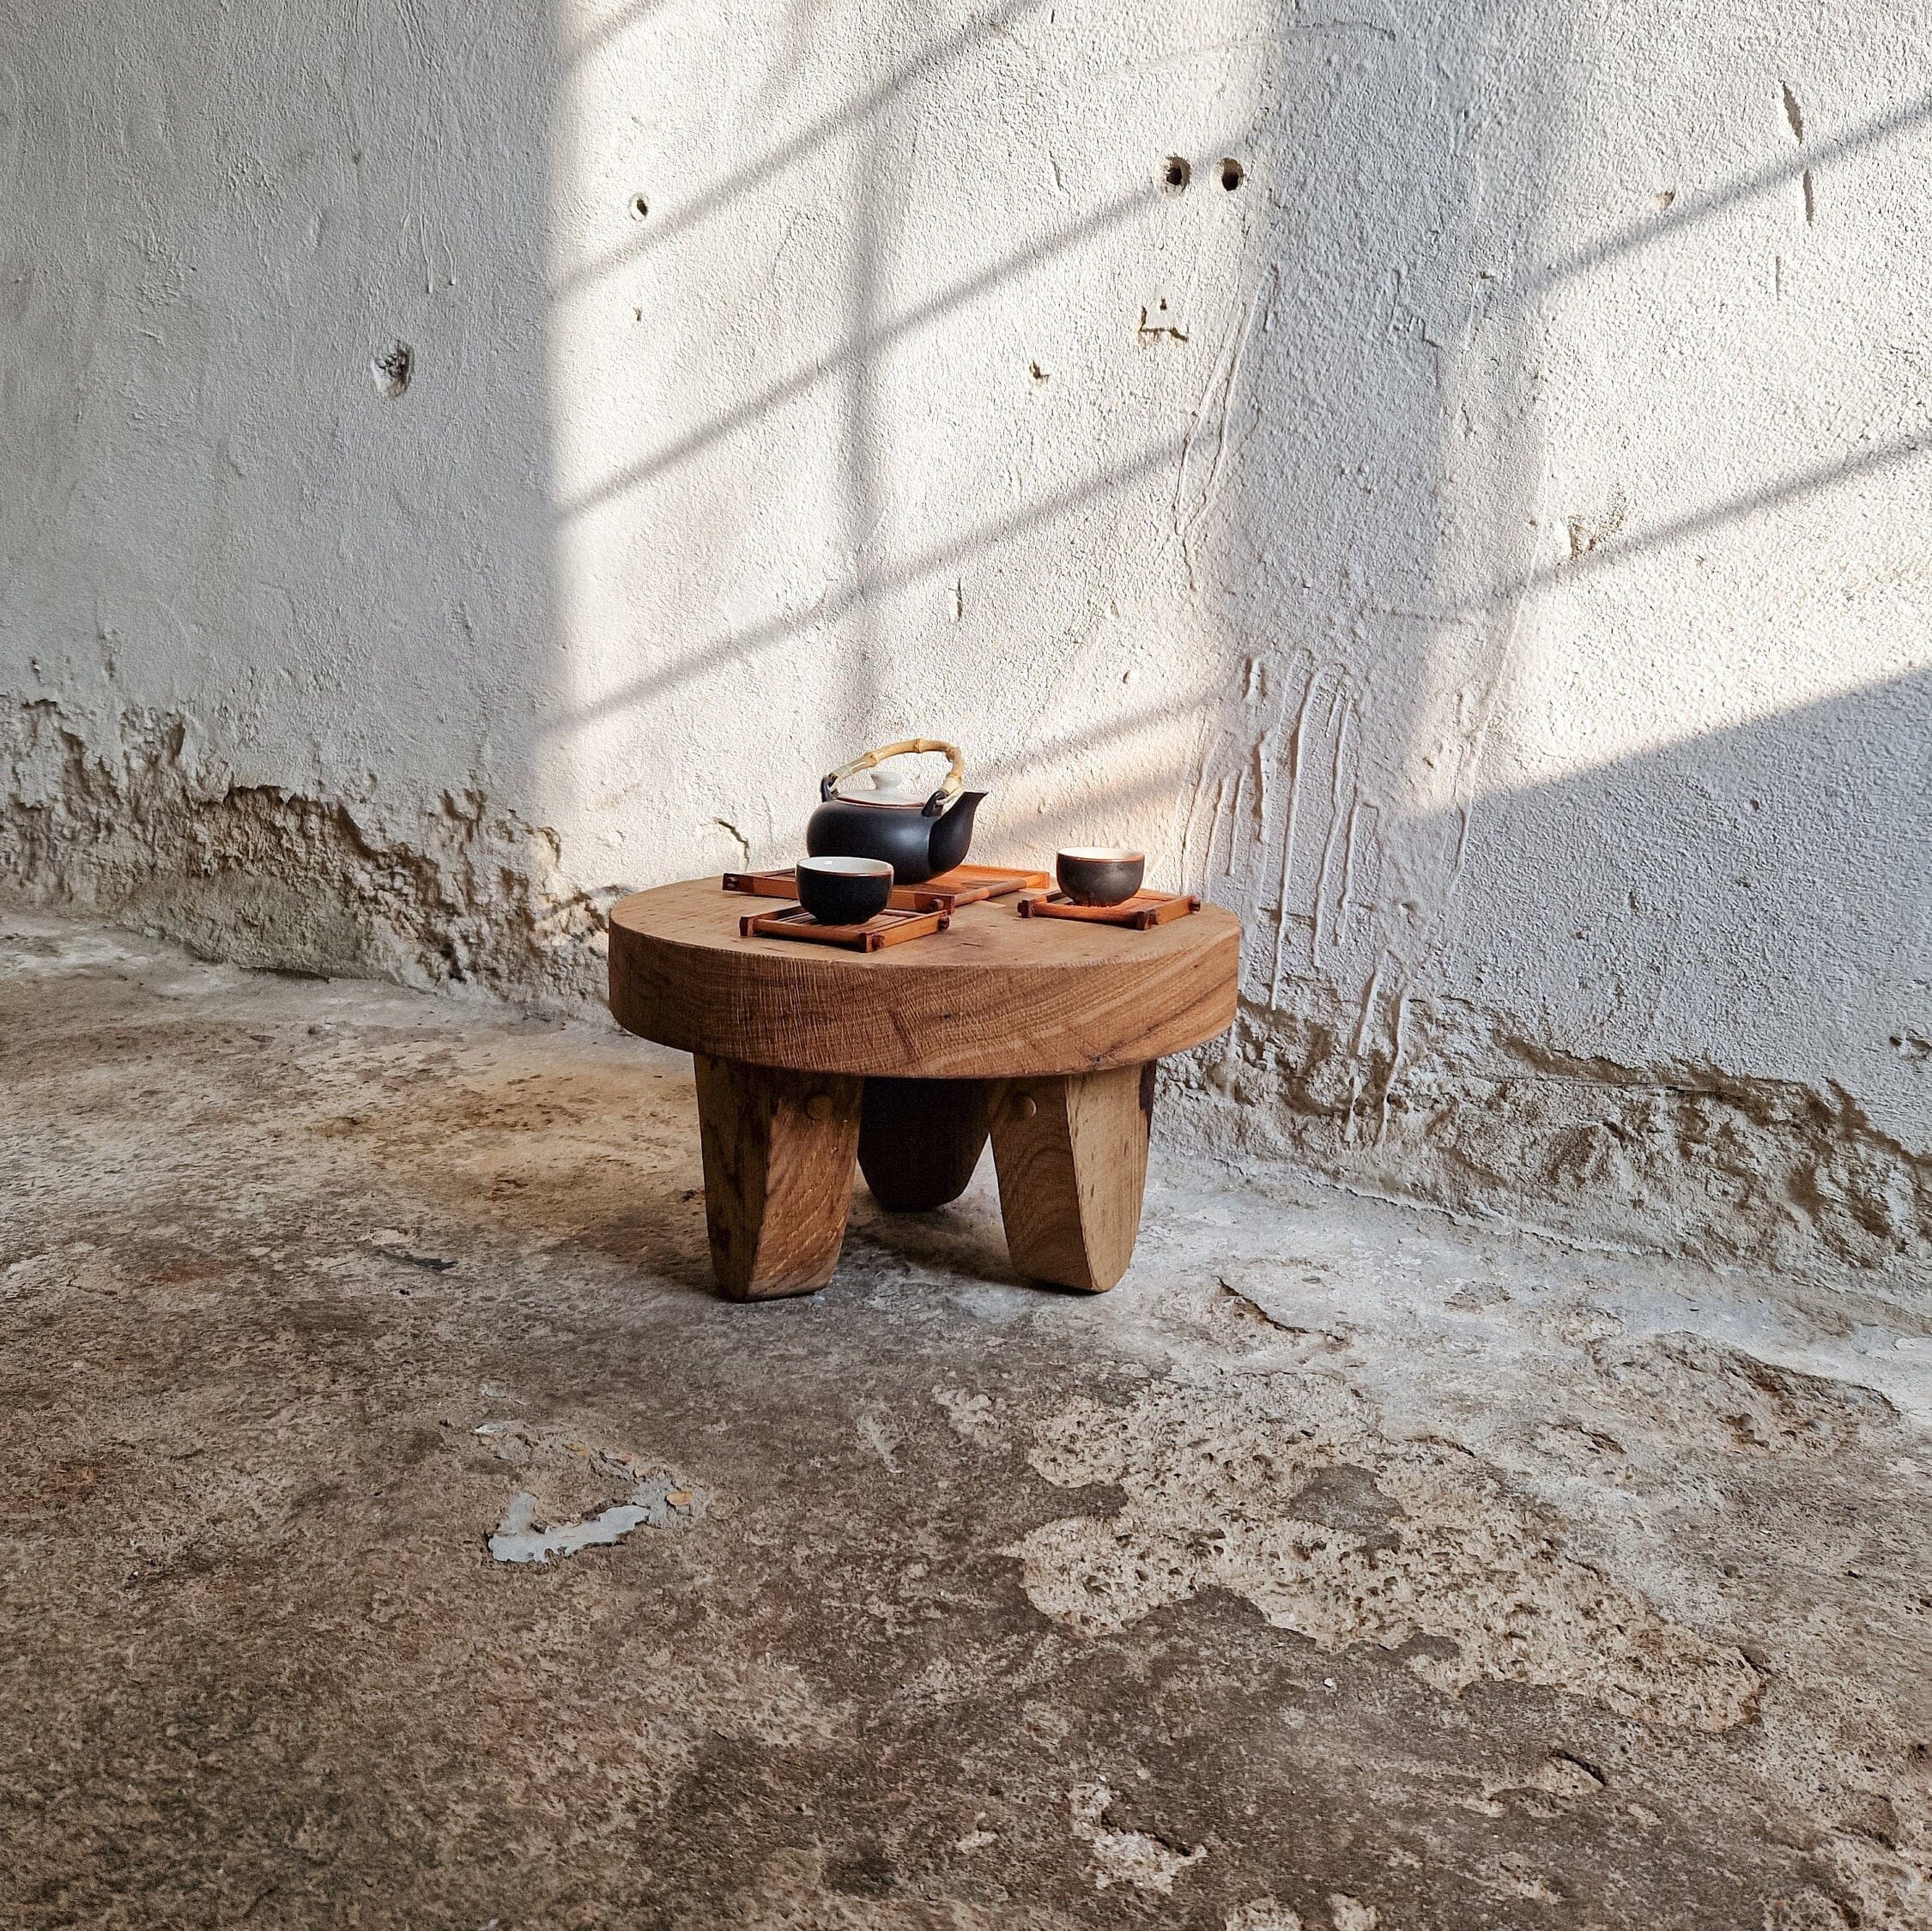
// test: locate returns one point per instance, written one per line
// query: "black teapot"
(919, 837)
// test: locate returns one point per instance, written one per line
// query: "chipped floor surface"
(398, 1532)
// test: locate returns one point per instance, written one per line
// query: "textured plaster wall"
(464, 460)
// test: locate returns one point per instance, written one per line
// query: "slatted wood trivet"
(887, 929)
(764, 885)
(965, 885)
(1143, 912)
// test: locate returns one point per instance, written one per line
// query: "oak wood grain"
(778, 1148)
(1072, 1154)
(995, 996)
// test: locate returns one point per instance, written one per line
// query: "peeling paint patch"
(1221, 1492)
(654, 1503)
(533, 1531)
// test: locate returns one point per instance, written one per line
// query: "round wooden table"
(1042, 1032)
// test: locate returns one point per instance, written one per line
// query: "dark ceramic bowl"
(1098, 874)
(844, 891)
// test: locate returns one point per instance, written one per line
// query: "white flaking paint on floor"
(654, 1503)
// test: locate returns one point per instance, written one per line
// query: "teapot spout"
(953, 833)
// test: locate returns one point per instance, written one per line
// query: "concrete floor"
(1344, 1568)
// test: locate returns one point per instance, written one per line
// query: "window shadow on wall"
(844, 633)
(1762, 892)
(1387, 456)
(1393, 519)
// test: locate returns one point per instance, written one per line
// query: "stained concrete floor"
(1344, 1568)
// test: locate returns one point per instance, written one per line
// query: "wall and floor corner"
(464, 462)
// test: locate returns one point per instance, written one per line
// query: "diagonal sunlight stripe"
(945, 556)
(1695, 522)
(648, 468)
(673, 221)
(1685, 215)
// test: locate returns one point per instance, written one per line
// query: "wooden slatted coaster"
(1143, 912)
(965, 885)
(764, 885)
(888, 927)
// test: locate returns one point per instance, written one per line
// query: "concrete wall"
(1486, 545)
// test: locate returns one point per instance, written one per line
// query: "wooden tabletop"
(997, 997)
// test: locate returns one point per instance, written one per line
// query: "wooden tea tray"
(889, 929)
(1143, 912)
(965, 885)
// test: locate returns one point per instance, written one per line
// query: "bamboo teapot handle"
(948, 786)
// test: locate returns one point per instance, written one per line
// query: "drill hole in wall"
(391, 369)
(1175, 174)
(639, 207)
(1232, 176)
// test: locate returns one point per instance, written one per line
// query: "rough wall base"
(143, 832)
(1679, 1159)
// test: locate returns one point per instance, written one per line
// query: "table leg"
(1072, 1153)
(778, 1149)
(919, 1140)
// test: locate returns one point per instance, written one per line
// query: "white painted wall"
(1487, 546)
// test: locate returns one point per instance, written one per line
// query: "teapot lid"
(877, 787)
